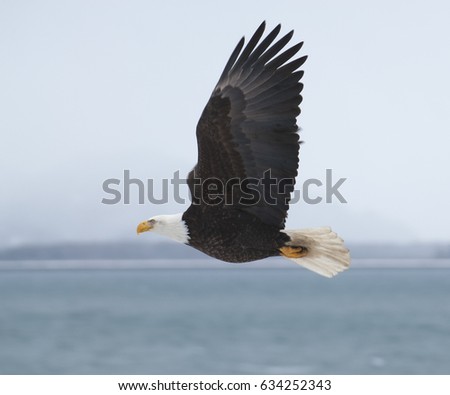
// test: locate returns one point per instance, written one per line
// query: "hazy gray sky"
(88, 89)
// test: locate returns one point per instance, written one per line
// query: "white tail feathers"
(327, 254)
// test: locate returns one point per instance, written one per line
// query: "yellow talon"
(293, 252)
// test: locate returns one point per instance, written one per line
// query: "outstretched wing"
(248, 128)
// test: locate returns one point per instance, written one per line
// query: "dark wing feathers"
(233, 58)
(249, 124)
(240, 63)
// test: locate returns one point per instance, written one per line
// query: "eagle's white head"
(171, 226)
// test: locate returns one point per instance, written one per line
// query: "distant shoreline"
(179, 264)
(125, 250)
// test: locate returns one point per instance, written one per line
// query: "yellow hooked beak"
(144, 227)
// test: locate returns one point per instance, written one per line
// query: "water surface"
(200, 321)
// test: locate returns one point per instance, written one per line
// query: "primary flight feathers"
(249, 124)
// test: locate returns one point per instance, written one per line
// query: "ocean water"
(230, 321)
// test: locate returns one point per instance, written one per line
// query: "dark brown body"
(232, 235)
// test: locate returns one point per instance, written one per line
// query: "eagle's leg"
(293, 252)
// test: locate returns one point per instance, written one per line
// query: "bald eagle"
(248, 146)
